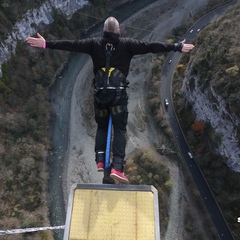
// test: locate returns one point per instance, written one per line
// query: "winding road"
(166, 90)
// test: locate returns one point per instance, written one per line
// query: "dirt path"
(81, 167)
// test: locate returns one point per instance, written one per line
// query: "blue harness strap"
(108, 146)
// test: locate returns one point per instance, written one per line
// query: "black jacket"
(124, 49)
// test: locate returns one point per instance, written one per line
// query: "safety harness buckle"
(109, 48)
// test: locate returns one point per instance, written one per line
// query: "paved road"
(166, 83)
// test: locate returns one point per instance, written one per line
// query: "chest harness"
(109, 78)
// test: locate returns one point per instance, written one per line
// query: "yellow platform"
(112, 212)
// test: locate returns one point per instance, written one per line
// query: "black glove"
(178, 47)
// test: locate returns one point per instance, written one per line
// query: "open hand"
(187, 47)
(36, 42)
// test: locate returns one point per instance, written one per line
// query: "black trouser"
(103, 108)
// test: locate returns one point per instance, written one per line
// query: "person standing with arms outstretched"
(111, 55)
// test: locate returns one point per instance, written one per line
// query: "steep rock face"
(213, 84)
(28, 25)
(212, 108)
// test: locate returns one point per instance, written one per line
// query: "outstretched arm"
(37, 42)
(186, 47)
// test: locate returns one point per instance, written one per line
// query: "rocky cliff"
(213, 85)
(30, 22)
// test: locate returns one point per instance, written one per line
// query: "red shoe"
(100, 166)
(119, 176)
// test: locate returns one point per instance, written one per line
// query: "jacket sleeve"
(136, 47)
(83, 46)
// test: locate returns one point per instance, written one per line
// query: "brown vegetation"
(198, 127)
(144, 168)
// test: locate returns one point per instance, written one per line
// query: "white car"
(191, 30)
(166, 102)
(190, 155)
(198, 30)
(170, 61)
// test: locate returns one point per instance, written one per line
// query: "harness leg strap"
(118, 95)
(100, 157)
(118, 163)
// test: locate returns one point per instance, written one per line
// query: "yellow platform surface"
(119, 212)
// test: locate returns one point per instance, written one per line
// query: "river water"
(60, 96)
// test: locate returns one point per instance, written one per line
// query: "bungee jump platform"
(112, 212)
